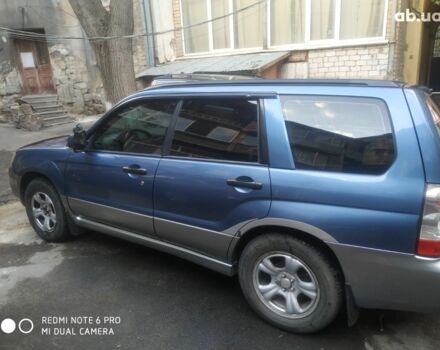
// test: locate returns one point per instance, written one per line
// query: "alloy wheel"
(286, 285)
(43, 212)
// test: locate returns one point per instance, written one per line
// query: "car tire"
(290, 283)
(45, 211)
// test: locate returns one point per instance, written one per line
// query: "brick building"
(312, 39)
(320, 38)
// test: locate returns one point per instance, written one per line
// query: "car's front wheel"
(45, 211)
(290, 283)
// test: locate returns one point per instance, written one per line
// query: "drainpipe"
(147, 22)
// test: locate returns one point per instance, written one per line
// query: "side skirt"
(203, 260)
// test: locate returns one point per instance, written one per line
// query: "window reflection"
(343, 134)
(224, 129)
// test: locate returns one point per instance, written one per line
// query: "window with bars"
(288, 22)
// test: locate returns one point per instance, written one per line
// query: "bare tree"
(114, 57)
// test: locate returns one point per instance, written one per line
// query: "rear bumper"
(390, 280)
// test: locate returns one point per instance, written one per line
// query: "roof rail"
(343, 82)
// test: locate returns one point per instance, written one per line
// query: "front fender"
(30, 163)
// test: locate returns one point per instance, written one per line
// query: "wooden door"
(34, 64)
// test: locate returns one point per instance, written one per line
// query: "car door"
(111, 182)
(214, 177)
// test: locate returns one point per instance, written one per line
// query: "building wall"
(412, 54)
(74, 72)
(166, 48)
(368, 62)
(378, 61)
(419, 40)
(77, 78)
(139, 56)
(177, 20)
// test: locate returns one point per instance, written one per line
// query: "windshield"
(435, 112)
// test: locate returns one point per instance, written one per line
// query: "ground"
(163, 302)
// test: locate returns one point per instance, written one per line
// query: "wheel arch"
(28, 177)
(308, 233)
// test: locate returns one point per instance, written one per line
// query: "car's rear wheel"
(290, 283)
(45, 211)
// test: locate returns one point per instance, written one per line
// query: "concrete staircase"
(48, 107)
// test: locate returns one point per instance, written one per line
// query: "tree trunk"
(114, 57)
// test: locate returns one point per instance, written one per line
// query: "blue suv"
(320, 195)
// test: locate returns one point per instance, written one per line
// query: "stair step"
(44, 107)
(40, 95)
(57, 123)
(49, 109)
(64, 116)
(42, 104)
(48, 113)
(40, 98)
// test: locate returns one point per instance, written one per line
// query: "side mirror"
(78, 140)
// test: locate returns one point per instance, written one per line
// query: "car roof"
(257, 86)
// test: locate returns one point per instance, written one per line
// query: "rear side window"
(217, 128)
(339, 134)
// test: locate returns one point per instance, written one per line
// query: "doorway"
(34, 65)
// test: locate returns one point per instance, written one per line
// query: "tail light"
(429, 239)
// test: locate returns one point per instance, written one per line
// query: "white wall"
(162, 13)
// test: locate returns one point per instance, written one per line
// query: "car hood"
(54, 142)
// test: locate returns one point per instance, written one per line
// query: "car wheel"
(45, 211)
(290, 283)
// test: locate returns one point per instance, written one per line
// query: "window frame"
(210, 35)
(374, 98)
(261, 135)
(336, 41)
(92, 133)
(267, 45)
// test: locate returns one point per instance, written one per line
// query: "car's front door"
(214, 178)
(111, 182)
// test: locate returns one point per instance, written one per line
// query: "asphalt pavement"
(163, 302)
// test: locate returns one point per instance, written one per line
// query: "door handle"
(248, 183)
(134, 170)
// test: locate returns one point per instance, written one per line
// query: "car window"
(435, 112)
(139, 127)
(217, 128)
(339, 134)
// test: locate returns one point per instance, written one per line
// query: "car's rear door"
(215, 177)
(111, 182)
